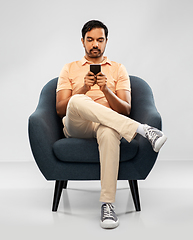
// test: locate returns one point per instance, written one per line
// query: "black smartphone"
(95, 68)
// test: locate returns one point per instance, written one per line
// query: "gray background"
(152, 38)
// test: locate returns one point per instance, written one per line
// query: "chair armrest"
(149, 115)
(143, 107)
(44, 130)
(145, 159)
(144, 111)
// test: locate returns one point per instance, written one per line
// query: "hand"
(101, 81)
(89, 80)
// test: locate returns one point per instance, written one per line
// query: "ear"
(82, 40)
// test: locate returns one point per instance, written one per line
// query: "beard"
(94, 53)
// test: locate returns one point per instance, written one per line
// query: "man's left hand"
(101, 81)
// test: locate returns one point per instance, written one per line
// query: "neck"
(95, 60)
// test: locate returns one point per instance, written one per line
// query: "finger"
(100, 74)
(90, 82)
(90, 73)
(101, 82)
(91, 78)
(100, 77)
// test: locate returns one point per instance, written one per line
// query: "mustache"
(95, 48)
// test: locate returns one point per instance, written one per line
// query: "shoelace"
(108, 211)
(152, 135)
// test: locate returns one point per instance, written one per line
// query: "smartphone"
(95, 68)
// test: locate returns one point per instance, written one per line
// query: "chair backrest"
(47, 98)
(47, 105)
(141, 96)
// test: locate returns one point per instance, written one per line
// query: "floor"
(26, 200)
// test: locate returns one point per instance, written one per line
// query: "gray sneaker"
(155, 137)
(109, 218)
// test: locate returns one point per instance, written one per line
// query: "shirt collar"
(105, 61)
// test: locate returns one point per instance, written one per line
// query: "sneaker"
(155, 137)
(109, 218)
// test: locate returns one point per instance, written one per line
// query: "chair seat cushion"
(86, 150)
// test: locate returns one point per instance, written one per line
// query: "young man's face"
(94, 43)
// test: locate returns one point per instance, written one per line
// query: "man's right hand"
(89, 81)
(63, 96)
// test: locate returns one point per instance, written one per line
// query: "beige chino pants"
(87, 119)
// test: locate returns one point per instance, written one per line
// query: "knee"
(77, 99)
(107, 134)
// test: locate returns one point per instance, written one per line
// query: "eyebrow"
(97, 38)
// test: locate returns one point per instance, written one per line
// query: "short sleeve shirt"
(72, 77)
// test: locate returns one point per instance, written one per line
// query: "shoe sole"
(109, 224)
(159, 143)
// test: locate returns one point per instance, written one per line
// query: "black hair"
(93, 24)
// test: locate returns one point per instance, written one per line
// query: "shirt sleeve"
(63, 80)
(123, 81)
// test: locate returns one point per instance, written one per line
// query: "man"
(98, 106)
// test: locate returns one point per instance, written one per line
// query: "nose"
(95, 43)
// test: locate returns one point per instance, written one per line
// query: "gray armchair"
(62, 159)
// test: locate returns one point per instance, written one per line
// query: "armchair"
(63, 159)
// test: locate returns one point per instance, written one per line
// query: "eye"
(89, 39)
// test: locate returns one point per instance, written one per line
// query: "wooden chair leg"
(59, 185)
(135, 194)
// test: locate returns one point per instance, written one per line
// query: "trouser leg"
(87, 119)
(109, 150)
(84, 115)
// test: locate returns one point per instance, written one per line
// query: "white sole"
(159, 143)
(109, 224)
